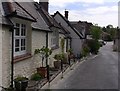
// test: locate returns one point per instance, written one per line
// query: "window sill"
(22, 57)
(55, 47)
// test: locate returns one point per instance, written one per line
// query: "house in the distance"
(84, 28)
(76, 36)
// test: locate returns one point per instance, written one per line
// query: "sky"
(101, 12)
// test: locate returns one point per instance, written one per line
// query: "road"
(98, 72)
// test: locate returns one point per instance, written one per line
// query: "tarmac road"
(100, 72)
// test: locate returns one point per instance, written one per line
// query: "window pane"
(17, 32)
(17, 42)
(22, 42)
(22, 48)
(17, 49)
(23, 30)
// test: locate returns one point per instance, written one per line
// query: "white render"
(6, 56)
(28, 66)
(56, 51)
(76, 41)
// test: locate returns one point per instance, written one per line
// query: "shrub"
(85, 51)
(94, 46)
(20, 78)
(65, 58)
(36, 77)
(57, 57)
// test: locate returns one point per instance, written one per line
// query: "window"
(19, 39)
(55, 38)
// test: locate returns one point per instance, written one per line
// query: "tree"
(104, 29)
(109, 26)
(111, 31)
(96, 32)
(94, 44)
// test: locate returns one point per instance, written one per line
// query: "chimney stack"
(66, 14)
(44, 4)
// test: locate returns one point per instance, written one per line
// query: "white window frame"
(20, 37)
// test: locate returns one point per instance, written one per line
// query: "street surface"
(98, 72)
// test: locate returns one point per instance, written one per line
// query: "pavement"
(54, 73)
(97, 72)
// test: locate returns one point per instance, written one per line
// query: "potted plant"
(44, 53)
(70, 54)
(21, 83)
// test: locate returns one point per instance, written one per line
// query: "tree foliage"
(95, 32)
(110, 30)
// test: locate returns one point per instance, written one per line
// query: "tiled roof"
(42, 20)
(78, 26)
(32, 9)
(3, 19)
(51, 22)
(24, 9)
(15, 9)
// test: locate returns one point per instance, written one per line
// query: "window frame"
(21, 38)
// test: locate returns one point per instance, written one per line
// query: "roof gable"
(16, 10)
(66, 20)
(78, 26)
(48, 18)
(40, 23)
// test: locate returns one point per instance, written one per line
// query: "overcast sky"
(101, 12)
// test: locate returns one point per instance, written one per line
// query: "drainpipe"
(46, 47)
(70, 43)
(66, 44)
(47, 57)
(12, 58)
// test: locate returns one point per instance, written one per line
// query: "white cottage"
(76, 36)
(26, 27)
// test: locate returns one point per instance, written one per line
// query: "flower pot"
(57, 64)
(42, 71)
(71, 56)
(21, 85)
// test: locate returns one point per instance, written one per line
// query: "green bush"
(85, 51)
(36, 77)
(20, 78)
(108, 38)
(94, 46)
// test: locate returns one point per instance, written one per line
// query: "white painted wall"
(6, 56)
(76, 46)
(55, 51)
(28, 66)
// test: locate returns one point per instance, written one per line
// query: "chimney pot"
(44, 4)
